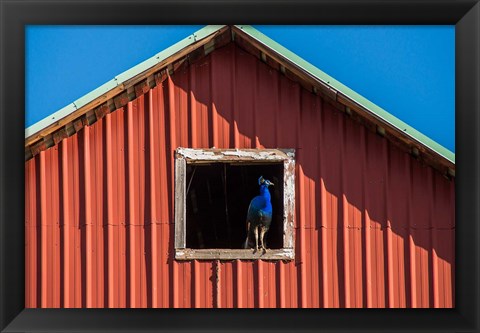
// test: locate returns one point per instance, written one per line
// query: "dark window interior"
(218, 196)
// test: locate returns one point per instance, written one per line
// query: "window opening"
(213, 191)
(218, 197)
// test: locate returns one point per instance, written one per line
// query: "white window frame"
(184, 156)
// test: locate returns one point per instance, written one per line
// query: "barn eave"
(137, 80)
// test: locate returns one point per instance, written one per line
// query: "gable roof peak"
(128, 84)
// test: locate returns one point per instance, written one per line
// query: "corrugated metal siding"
(374, 227)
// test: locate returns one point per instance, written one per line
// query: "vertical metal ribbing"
(449, 266)
(326, 290)
(98, 227)
(227, 281)
(67, 241)
(388, 227)
(214, 134)
(260, 287)
(217, 283)
(256, 143)
(240, 284)
(235, 109)
(110, 224)
(173, 146)
(320, 209)
(31, 238)
(43, 227)
(193, 109)
(88, 218)
(55, 226)
(301, 199)
(197, 276)
(131, 209)
(345, 217)
(411, 244)
(281, 295)
(141, 141)
(366, 225)
(119, 186)
(346, 251)
(433, 244)
(160, 99)
(77, 200)
(301, 230)
(153, 204)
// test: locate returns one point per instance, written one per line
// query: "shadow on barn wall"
(352, 185)
(367, 214)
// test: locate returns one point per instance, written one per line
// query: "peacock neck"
(265, 192)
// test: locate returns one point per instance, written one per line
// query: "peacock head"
(263, 181)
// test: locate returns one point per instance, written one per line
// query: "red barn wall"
(373, 228)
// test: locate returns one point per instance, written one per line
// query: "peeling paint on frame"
(192, 156)
(227, 155)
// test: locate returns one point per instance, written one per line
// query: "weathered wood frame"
(248, 156)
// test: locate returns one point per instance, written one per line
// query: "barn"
(136, 194)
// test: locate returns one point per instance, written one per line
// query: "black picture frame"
(15, 15)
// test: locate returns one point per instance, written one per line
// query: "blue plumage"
(259, 216)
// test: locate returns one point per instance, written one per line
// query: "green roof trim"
(269, 43)
(377, 111)
(120, 79)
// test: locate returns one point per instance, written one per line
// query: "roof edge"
(116, 84)
(366, 104)
(128, 78)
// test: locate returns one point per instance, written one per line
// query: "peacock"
(259, 216)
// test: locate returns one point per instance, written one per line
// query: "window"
(213, 190)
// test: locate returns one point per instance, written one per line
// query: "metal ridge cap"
(120, 79)
(339, 87)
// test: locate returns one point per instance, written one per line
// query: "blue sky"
(407, 70)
